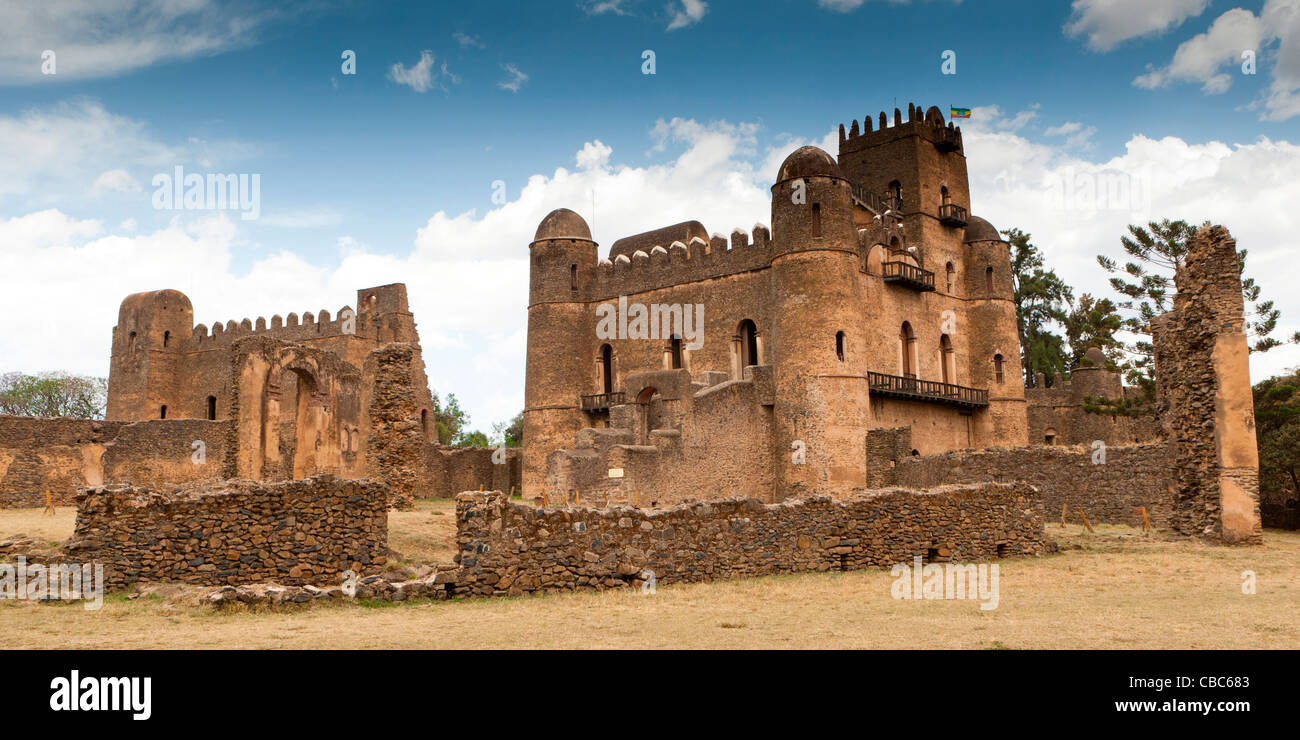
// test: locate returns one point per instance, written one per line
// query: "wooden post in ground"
(1084, 516)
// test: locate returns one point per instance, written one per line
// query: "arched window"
(950, 273)
(130, 342)
(1049, 437)
(748, 343)
(944, 196)
(424, 423)
(817, 220)
(212, 408)
(907, 346)
(162, 412)
(895, 191)
(675, 352)
(988, 279)
(606, 368)
(946, 357)
(997, 369)
(894, 244)
(573, 277)
(839, 346)
(167, 337)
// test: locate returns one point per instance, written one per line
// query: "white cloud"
(117, 181)
(104, 38)
(1076, 135)
(688, 14)
(1215, 58)
(468, 41)
(1108, 23)
(1201, 57)
(515, 80)
(422, 76)
(600, 7)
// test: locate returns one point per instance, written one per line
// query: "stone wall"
(1203, 372)
(510, 549)
(58, 455)
(231, 532)
(1131, 476)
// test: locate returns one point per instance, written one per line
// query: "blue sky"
(367, 179)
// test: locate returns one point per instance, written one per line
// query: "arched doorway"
(606, 369)
(647, 417)
(907, 348)
(748, 343)
(946, 359)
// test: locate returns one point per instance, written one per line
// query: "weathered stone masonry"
(509, 549)
(296, 532)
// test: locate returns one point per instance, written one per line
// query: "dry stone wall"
(510, 549)
(1109, 490)
(233, 532)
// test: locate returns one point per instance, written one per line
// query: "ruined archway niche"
(297, 414)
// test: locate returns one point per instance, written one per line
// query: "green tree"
(1146, 286)
(472, 439)
(53, 394)
(450, 417)
(1042, 299)
(1092, 323)
(1277, 435)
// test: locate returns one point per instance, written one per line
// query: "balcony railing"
(877, 202)
(601, 401)
(908, 275)
(951, 214)
(932, 391)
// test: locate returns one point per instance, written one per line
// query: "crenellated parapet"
(291, 329)
(676, 263)
(929, 125)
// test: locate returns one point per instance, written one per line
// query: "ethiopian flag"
(959, 112)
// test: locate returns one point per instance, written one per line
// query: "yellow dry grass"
(1110, 589)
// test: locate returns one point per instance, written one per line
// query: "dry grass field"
(1108, 589)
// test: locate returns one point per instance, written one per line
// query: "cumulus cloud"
(1076, 134)
(686, 13)
(514, 80)
(104, 38)
(1216, 57)
(119, 181)
(423, 75)
(1108, 23)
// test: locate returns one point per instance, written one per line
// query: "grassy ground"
(1109, 589)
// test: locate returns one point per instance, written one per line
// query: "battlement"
(311, 326)
(928, 125)
(665, 265)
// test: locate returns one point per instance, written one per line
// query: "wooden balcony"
(930, 391)
(951, 214)
(908, 275)
(877, 203)
(600, 402)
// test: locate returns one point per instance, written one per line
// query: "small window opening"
(817, 220)
(212, 408)
(839, 346)
(162, 412)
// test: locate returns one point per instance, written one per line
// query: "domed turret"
(980, 230)
(562, 224)
(808, 161)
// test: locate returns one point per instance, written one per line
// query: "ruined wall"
(1058, 414)
(456, 469)
(1111, 491)
(510, 549)
(305, 531)
(58, 455)
(1203, 372)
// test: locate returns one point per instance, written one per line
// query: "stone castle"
(841, 390)
(875, 301)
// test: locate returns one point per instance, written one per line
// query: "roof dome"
(1095, 358)
(979, 230)
(808, 161)
(562, 224)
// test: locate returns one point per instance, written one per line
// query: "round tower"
(818, 336)
(151, 327)
(561, 339)
(994, 343)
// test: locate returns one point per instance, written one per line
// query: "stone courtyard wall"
(233, 532)
(58, 455)
(510, 549)
(1131, 476)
